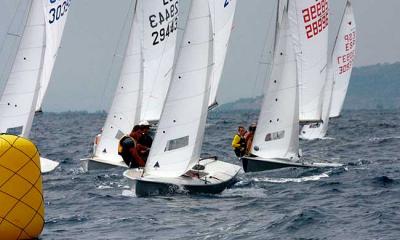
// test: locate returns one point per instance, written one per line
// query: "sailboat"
(174, 161)
(144, 78)
(32, 66)
(339, 73)
(152, 84)
(276, 143)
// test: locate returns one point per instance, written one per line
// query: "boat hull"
(220, 175)
(258, 164)
(89, 164)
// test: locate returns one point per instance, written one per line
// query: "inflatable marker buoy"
(21, 194)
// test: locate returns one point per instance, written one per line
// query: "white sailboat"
(144, 78)
(222, 16)
(276, 143)
(174, 159)
(21, 92)
(338, 77)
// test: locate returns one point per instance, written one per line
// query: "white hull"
(257, 164)
(47, 165)
(313, 131)
(214, 178)
(98, 164)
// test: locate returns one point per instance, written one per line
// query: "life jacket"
(124, 144)
(242, 141)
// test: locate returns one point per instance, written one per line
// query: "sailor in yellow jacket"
(239, 142)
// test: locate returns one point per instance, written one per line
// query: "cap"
(144, 123)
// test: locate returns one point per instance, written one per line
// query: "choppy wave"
(296, 180)
(357, 201)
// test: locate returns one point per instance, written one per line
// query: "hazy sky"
(86, 72)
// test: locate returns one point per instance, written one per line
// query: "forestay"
(310, 31)
(277, 128)
(17, 103)
(125, 108)
(160, 32)
(222, 15)
(55, 13)
(343, 57)
(179, 136)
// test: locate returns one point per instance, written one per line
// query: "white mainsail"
(177, 144)
(222, 15)
(311, 46)
(343, 57)
(277, 128)
(18, 100)
(339, 72)
(158, 54)
(55, 12)
(148, 59)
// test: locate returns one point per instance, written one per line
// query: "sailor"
(239, 142)
(130, 150)
(97, 141)
(249, 137)
(145, 139)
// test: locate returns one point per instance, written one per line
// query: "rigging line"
(6, 69)
(115, 55)
(263, 55)
(9, 33)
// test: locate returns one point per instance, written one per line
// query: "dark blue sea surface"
(358, 201)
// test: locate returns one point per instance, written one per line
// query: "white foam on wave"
(104, 187)
(296, 180)
(244, 192)
(327, 138)
(128, 193)
(377, 139)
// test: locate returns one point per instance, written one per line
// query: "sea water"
(358, 201)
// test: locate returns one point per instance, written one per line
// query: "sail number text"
(345, 61)
(316, 18)
(166, 21)
(58, 11)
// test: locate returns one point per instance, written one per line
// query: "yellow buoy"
(21, 192)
